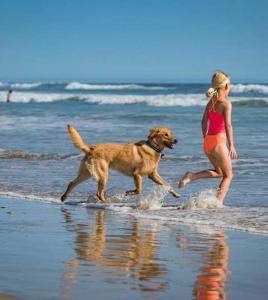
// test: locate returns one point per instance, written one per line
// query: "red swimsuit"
(216, 127)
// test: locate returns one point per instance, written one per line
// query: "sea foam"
(22, 85)
(245, 88)
(182, 100)
(87, 86)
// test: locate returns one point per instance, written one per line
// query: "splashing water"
(154, 199)
(205, 199)
(151, 200)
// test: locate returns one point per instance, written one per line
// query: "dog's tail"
(77, 139)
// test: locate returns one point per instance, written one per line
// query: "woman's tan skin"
(221, 156)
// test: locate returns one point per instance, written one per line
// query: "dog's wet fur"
(131, 159)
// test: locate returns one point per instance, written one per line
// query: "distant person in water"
(9, 95)
(217, 130)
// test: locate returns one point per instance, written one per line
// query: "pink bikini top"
(216, 121)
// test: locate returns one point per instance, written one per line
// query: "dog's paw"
(174, 194)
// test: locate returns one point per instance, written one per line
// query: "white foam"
(120, 209)
(26, 97)
(26, 85)
(21, 85)
(156, 100)
(245, 88)
(154, 199)
(31, 197)
(205, 199)
(86, 86)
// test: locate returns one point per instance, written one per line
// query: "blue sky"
(138, 40)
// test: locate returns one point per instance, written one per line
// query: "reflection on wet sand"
(130, 253)
(211, 280)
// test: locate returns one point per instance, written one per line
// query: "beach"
(51, 250)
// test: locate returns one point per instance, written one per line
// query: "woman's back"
(216, 118)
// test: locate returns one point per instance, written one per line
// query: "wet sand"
(52, 251)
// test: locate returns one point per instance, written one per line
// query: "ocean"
(37, 158)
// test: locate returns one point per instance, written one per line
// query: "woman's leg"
(224, 162)
(221, 160)
(190, 176)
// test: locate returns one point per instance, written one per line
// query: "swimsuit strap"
(213, 104)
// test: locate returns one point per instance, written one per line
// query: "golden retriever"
(132, 159)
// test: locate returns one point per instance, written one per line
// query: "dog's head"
(163, 137)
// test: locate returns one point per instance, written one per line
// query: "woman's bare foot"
(185, 179)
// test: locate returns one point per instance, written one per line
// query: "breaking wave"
(151, 100)
(246, 88)
(25, 85)
(87, 86)
(238, 88)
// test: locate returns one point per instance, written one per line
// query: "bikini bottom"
(211, 141)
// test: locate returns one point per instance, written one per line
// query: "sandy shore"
(51, 251)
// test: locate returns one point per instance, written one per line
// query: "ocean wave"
(246, 88)
(87, 86)
(75, 85)
(8, 154)
(26, 97)
(156, 100)
(26, 85)
(23, 85)
(151, 100)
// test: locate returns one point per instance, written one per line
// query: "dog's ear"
(153, 133)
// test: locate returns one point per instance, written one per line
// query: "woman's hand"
(232, 152)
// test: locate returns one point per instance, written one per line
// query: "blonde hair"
(218, 81)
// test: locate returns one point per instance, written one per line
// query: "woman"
(216, 128)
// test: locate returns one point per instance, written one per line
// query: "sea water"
(37, 158)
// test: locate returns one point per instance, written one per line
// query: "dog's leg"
(102, 172)
(79, 179)
(138, 184)
(155, 177)
(101, 189)
(83, 175)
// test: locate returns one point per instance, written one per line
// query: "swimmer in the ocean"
(9, 96)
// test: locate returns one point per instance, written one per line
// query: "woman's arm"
(229, 129)
(204, 123)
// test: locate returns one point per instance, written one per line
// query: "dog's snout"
(175, 141)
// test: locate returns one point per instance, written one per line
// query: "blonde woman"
(217, 130)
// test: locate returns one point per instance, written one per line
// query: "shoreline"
(150, 214)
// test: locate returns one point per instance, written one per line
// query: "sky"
(133, 40)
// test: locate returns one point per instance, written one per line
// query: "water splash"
(154, 199)
(205, 199)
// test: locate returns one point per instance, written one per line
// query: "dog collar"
(154, 146)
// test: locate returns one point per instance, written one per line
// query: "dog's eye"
(166, 135)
